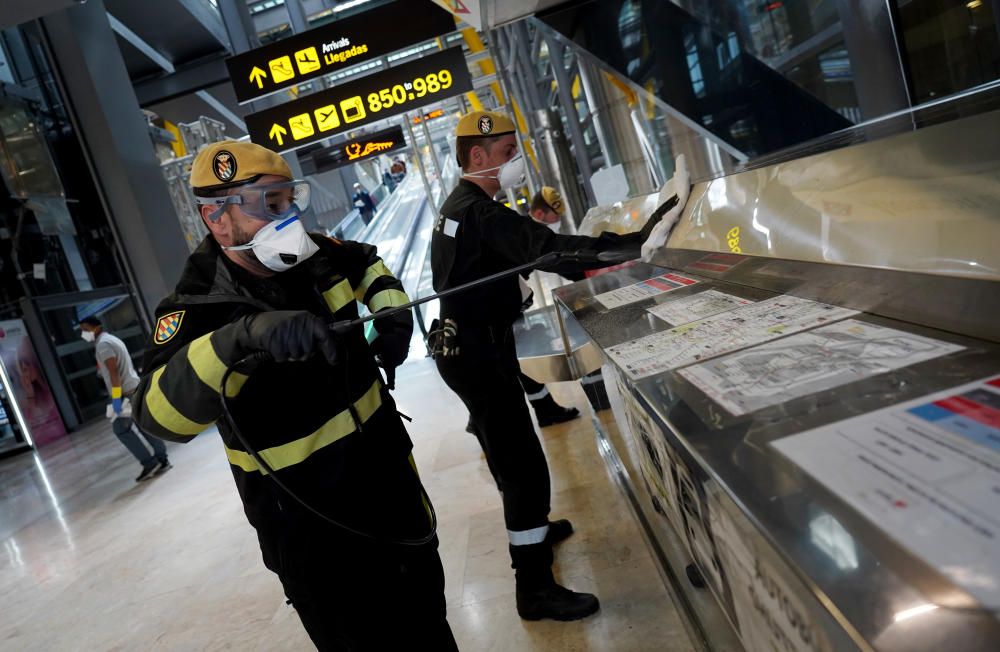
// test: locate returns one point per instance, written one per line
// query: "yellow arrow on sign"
(257, 75)
(277, 131)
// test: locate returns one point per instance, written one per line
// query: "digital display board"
(335, 46)
(358, 149)
(406, 87)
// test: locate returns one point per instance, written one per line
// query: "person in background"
(547, 207)
(388, 182)
(121, 380)
(364, 203)
(397, 170)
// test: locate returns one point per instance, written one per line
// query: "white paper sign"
(722, 333)
(644, 290)
(697, 306)
(925, 472)
(808, 363)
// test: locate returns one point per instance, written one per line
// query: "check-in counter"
(810, 441)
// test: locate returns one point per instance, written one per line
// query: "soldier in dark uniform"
(474, 237)
(315, 407)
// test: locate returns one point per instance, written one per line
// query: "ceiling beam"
(209, 18)
(139, 44)
(184, 80)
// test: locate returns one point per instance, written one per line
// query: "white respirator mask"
(280, 245)
(511, 174)
(88, 336)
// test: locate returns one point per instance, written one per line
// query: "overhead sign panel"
(467, 10)
(359, 149)
(382, 95)
(335, 46)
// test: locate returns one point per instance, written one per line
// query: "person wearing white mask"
(316, 447)
(474, 237)
(115, 367)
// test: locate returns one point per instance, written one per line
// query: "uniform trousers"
(356, 593)
(486, 376)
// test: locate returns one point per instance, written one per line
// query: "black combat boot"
(558, 531)
(538, 594)
(548, 412)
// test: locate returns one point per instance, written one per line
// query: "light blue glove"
(116, 405)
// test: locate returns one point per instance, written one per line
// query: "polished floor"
(92, 561)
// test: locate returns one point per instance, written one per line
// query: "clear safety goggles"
(271, 201)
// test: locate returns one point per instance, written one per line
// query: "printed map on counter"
(722, 333)
(644, 290)
(920, 469)
(808, 363)
(697, 306)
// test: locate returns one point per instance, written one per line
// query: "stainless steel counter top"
(858, 603)
(545, 355)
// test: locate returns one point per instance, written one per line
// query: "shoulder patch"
(167, 327)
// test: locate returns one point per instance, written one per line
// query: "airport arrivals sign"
(335, 46)
(381, 95)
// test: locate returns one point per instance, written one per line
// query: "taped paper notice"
(925, 472)
(646, 289)
(722, 333)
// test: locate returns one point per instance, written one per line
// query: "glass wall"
(765, 76)
(950, 45)
(58, 258)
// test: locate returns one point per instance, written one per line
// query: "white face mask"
(511, 174)
(554, 227)
(280, 245)
(88, 336)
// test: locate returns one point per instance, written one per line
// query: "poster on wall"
(29, 388)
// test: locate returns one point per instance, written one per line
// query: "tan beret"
(230, 163)
(552, 197)
(484, 123)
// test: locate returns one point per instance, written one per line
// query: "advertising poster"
(28, 385)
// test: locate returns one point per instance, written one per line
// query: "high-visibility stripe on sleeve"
(209, 367)
(387, 299)
(285, 455)
(375, 270)
(165, 414)
(338, 296)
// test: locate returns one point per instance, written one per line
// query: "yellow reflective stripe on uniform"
(423, 494)
(374, 271)
(210, 369)
(387, 299)
(338, 296)
(285, 455)
(165, 414)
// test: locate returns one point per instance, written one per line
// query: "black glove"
(390, 350)
(288, 336)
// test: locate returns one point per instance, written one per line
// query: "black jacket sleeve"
(376, 287)
(520, 240)
(178, 394)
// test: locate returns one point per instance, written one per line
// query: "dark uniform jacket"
(476, 236)
(332, 433)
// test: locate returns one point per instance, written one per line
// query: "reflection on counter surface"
(921, 201)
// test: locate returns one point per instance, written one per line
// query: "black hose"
(422, 541)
